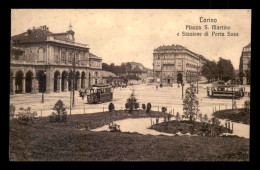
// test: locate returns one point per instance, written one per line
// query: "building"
(95, 69)
(172, 64)
(42, 61)
(244, 64)
(139, 71)
(109, 78)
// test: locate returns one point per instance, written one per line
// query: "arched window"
(41, 54)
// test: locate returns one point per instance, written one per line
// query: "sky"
(124, 35)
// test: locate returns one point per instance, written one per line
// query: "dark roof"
(108, 74)
(36, 35)
(94, 56)
(170, 47)
(174, 47)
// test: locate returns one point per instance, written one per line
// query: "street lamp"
(73, 78)
(44, 74)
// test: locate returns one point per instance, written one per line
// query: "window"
(63, 56)
(41, 54)
(96, 73)
(95, 81)
(70, 57)
(76, 58)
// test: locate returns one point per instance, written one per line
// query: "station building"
(173, 63)
(42, 61)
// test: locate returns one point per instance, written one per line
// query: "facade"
(95, 69)
(244, 64)
(174, 63)
(42, 61)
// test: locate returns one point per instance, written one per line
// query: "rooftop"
(108, 74)
(42, 34)
(94, 56)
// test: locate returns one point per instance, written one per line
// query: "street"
(170, 97)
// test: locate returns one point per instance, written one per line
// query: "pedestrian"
(156, 87)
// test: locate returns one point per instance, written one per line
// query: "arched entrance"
(28, 82)
(179, 78)
(70, 79)
(19, 82)
(77, 80)
(64, 81)
(41, 76)
(56, 75)
(83, 80)
(89, 80)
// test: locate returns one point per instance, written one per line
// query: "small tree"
(25, 116)
(111, 107)
(131, 103)
(148, 108)
(164, 109)
(143, 106)
(61, 113)
(191, 104)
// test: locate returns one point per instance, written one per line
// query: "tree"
(225, 69)
(148, 108)
(191, 104)
(61, 113)
(143, 106)
(111, 107)
(209, 70)
(131, 103)
(241, 75)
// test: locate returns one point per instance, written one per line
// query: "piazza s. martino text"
(216, 30)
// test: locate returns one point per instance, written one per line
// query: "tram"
(226, 91)
(98, 93)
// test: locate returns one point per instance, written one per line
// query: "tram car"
(225, 91)
(99, 93)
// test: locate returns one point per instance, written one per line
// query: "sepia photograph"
(130, 85)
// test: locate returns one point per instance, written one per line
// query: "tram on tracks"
(98, 93)
(225, 91)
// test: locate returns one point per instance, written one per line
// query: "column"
(66, 82)
(79, 83)
(84, 85)
(23, 85)
(13, 85)
(36, 85)
(33, 86)
(58, 84)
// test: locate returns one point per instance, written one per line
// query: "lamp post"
(73, 78)
(42, 87)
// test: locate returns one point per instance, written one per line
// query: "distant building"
(174, 63)
(109, 78)
(41, 61)
(138, 70)
(244, 64)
